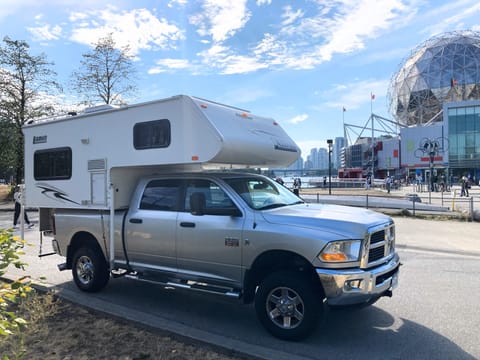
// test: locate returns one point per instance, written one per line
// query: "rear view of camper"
(73, 161)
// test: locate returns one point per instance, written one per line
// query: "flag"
(372, 96)
(454, 82)
(344, 109)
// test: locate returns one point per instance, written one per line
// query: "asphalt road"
(434, 313)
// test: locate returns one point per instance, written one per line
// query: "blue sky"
(300, 62)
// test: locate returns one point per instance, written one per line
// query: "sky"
(312, 65)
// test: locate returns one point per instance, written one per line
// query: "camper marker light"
(195, 158)
(340, 251)
(203, 106)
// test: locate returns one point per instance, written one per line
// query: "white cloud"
(291, 16)
(298, 119)
(169, 64)
(221, 19)
(452, 14)
(45, 32)
(138, 28)
(354, 95)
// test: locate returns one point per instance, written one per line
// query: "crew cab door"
(209, 242)
(151, 226)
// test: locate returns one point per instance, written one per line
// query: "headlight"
(341, 251)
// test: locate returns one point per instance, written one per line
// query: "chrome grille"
(379, 245)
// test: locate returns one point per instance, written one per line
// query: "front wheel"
(90, 270)
(288, 305)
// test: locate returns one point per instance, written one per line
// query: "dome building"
(445, 68)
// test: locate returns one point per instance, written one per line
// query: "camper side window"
(151, 134)
(52, 164)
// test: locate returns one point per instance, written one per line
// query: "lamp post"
(329, 143)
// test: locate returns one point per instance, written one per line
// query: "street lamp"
(329, 143)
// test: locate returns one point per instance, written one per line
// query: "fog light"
(352, 285)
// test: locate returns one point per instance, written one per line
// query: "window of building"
(151, 134)
(52, 164)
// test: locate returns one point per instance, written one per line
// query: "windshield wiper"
(272, 206)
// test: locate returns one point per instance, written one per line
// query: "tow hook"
(62, 266)
(388, 293)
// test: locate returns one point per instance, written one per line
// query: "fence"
(450, 203)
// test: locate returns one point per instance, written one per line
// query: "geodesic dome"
(444, 68)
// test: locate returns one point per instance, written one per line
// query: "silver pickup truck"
(240, 235)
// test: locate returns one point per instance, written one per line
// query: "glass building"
(445, 68)
(462, 123)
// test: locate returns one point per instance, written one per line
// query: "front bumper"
(357, 286)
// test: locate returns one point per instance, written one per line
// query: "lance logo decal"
(55, 193)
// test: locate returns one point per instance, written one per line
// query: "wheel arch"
(273, 261)
(82, 238)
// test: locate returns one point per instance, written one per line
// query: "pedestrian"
(324, 182)
(464, 184)
(296, 186)
(388, 184)
(279, 180)
(17, 197)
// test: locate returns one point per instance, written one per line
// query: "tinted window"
(52, 164)
(151, 134)
(161, 195)
(215, 197)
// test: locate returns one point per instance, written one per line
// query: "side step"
(188, 285)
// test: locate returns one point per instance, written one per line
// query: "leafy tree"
(106, 73)
(26, 82)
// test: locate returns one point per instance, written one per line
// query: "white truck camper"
(71, 161)
(135, 176)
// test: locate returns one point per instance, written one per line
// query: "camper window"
(151, 134)
(53, 164)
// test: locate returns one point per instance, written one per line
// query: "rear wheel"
(89, 269)
(288, 305)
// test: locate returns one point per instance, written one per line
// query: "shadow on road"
(369, 333)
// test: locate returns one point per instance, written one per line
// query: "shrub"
(11, 248)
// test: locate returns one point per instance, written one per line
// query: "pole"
(329, 143)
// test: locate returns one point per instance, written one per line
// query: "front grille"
(376, 254)
(379, 245)
(377, 237)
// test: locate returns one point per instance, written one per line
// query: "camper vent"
(97, 164)
(99, 108)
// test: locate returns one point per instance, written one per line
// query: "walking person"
(17, 197)
(388, 183)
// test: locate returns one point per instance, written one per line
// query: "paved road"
(434, 313)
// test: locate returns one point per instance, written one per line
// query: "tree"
(106, 73)
(26, 82)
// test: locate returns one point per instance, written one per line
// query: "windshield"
(262, 193)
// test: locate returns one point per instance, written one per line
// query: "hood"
(345, 221)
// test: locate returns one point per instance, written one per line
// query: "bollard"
(367, 201)
(318, 198)
(413, 207)
(472, 215)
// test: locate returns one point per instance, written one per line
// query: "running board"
(190, 285)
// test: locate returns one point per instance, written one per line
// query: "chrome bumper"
(356, 286)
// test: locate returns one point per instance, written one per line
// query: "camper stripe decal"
(54, 193)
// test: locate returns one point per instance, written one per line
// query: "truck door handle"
(136, 221)
(187, 224)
